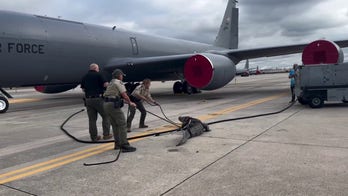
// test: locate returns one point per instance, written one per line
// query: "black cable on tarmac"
(164, 119)
(109, 141)
(76, 139)
(253, 116)
(169, 121)
(106, 162)
(157, 134)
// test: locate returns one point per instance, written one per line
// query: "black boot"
(128, 148)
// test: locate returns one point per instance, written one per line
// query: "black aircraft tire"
(3, 104)
(187, 88)
(178, 87)
(316, 102)
(195, 90)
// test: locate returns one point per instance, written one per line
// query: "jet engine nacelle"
(322, 52)
(51, 89)
(209, 71)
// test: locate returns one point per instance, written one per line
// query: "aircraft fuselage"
(40, 50)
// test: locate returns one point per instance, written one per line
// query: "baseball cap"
(117, 72)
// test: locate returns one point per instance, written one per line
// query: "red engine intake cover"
(198, 71)
(40, 88)
(322, 52)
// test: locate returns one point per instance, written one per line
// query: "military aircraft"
(245, 72)
(53, 54)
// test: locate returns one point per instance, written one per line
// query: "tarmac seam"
(273, 142)
(228, 153)
(19, 190)
(301, 144)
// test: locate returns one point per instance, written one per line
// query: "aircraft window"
(134, 45)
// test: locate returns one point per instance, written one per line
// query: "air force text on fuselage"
(22, 48)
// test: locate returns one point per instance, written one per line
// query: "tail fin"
(228, 33)
(246, 66)
(244, 71)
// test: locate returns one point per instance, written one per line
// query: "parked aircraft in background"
(255, 71)
(245, 72)
(53, 54)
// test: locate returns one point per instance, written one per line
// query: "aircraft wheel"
(196, 90)
(316, 102)
(178, 87)
(187, 88)
(3, 104)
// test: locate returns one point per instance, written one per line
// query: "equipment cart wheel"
(316, 102)
(3, 104)
(302, 101)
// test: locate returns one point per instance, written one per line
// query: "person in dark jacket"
(93, 85)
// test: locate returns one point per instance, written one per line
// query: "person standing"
(292, 77)
(93, 84)
(139, 95)
(114, 95)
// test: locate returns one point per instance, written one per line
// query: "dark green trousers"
(94, 107)
(118, 123)
(132, 110)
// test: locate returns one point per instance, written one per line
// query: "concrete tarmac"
(301, 151)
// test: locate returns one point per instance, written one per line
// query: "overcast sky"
(262, 22)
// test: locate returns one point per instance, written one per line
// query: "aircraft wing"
(242, 54)
(171, 67)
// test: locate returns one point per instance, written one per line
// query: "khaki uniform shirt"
(115, 88)
(141, 90)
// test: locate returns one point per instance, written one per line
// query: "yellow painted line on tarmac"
(55, 165)
(159, 130)
(19, 100)
(60, 161)
(52, 161)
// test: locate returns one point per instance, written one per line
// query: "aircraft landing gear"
(4, 104)
(184, 87)
(130, 86)
(177, 87)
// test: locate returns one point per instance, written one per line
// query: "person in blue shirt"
(292, 76)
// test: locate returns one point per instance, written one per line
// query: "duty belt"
(108, 99)
(93, 96)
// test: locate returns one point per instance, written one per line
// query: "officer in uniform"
(113, 95)
(93, 84)
(141, 93)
